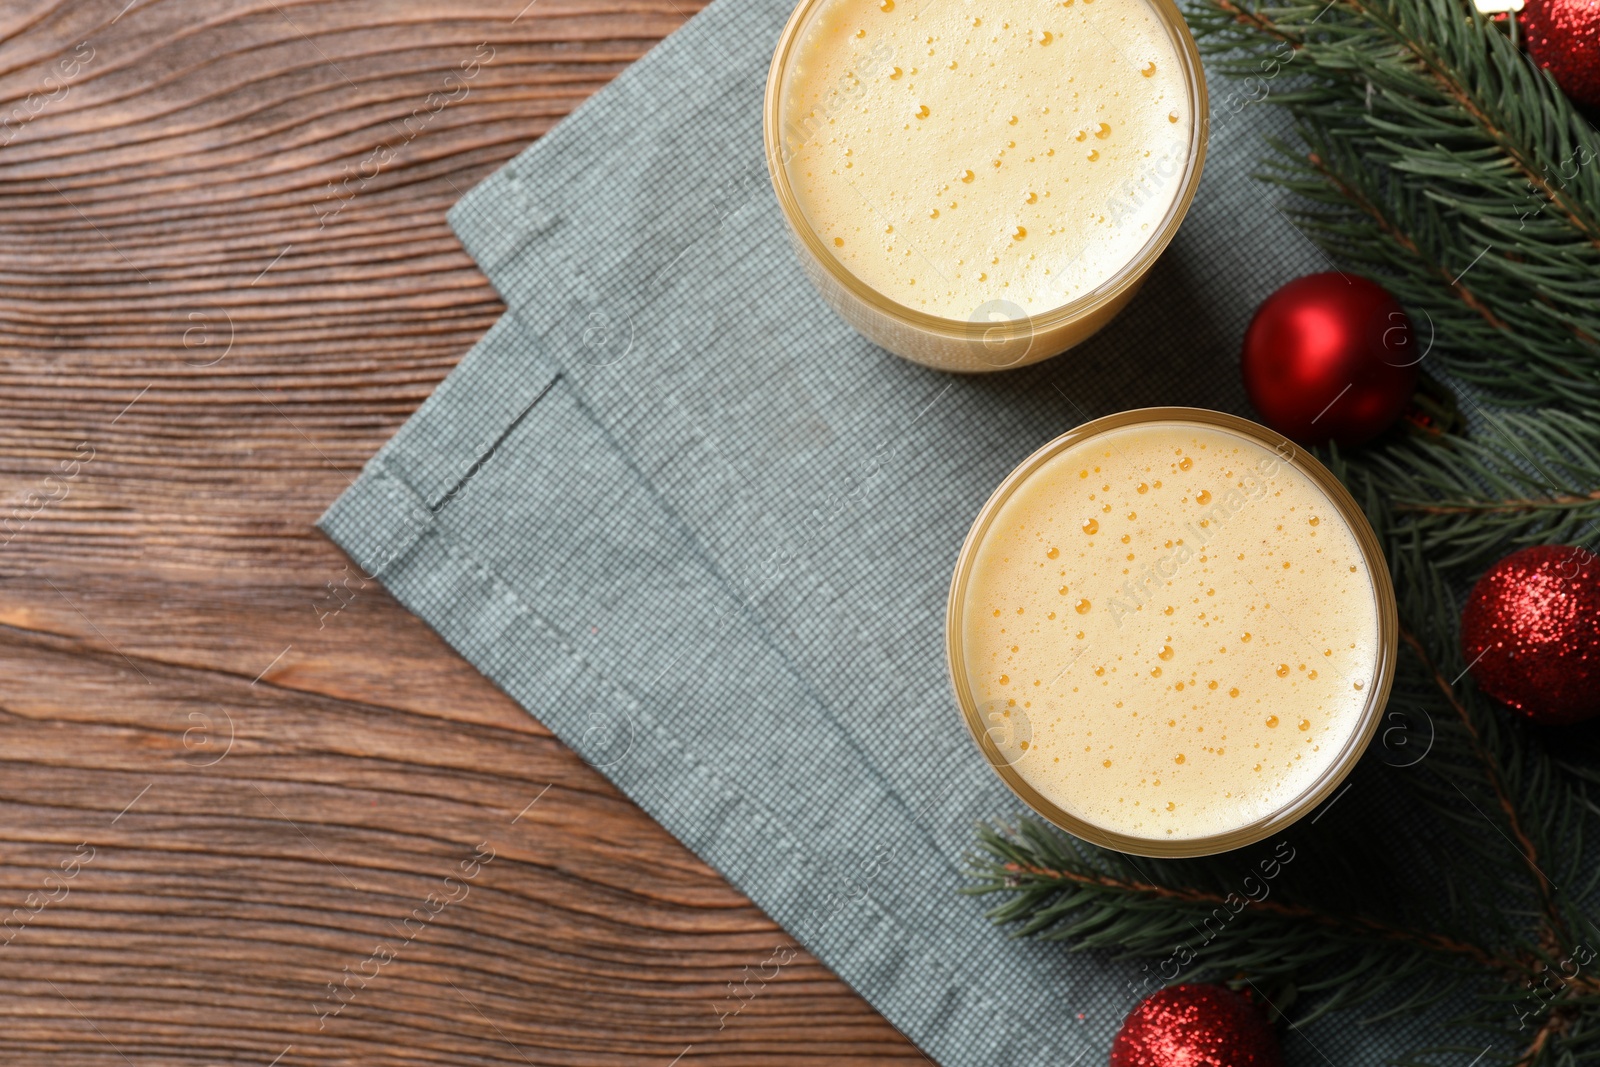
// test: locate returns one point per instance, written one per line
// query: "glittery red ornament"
(1564, 37)
(1531, 632)
(1330, 357)
(1195, 1026)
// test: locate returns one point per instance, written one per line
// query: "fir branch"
(1355, 928)
(1481, 751)
(1433, 148)
(1493, 775)
(1059, 889)
(1502, 507)
(1466, 96)
(1450, 80)
(1533, 479)
(1391, 230)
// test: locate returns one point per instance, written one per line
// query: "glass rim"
(1383, 668)
(1129, 274)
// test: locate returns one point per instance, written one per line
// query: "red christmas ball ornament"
(1330, 357)
(1531, 632)
(1196, 1026)
(1563, 36)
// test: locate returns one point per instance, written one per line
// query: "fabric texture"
(674, 507)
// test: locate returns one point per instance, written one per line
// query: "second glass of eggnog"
(981, 184)
(1172, 632)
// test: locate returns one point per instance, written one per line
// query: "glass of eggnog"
(981, 184)
(1171, 632)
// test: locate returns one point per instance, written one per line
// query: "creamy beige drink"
(1173, 630)
(985, 157)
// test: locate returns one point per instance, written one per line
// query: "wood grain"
(226, 280)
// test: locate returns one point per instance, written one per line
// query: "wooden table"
(248, 801)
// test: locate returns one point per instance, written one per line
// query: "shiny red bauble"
(1330, 357)
(1196, 1026)
(1563, 36)
(1531, 633)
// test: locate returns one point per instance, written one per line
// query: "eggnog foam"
(1171, 629)
(958, 154)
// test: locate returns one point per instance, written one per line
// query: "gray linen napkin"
(680, 512)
